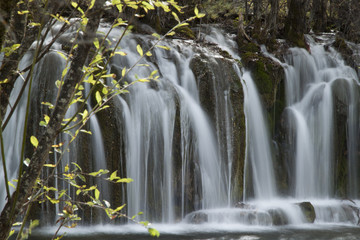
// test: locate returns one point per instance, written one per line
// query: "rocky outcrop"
(221, 96)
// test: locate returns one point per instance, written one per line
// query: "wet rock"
(279, 217)
(243, 205)
(197, 217)
(308, 210)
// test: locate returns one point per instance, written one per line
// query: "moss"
(341, 46)
(297, 39)
(249, 48)
(186, 32)
(220, 9)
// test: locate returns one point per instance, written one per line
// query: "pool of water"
(207, 231)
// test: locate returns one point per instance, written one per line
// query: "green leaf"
(92, 4)
(85, 114)
(76, 6)
(62, 55)
(77, 166)
(113, 176)
(34, 223)
(34, 141)
(99, 173)
(119, 208)
(120, 53)
(52, 200)
(123, 72)
(125, 180)
(47, 118)
(47, 189)
(139, 50)
(163, 47)
(153, 73)
(50, 165)
(176, 17)
(23, 12)
(97, 194)
(85, 131)
(153, 232)
(181, 25)
(98, 97)
(4, 81)
(11, 185)
(90, 80)
(11, 233)
(96, 43)
(143, 80)
(196, 11)
(34, 24)
(156, 35)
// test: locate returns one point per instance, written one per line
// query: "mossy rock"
(342, 46)
(308, 210)
(278, 217)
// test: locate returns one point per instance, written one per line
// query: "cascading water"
(182, 151)
(149, 115)
(258, 152)
(311, 81)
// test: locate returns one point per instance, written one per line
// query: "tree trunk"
(273, 18)
(319, 15)
(6, 8)
(38, 159)
(295, 26)
(257, 18)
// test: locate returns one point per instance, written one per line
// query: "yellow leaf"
(23, 12)
(139, 49)
(176, 17)
(113, 176)
(85, 114)
(196, 11)
(170, 33)
(47, 118)
(50, 165)
(92, 4)
(34, 141)
(119, 208)
(98, 97)
(123, 72)
(163, 47)
(97, 194)
(120, 53)
(96, 43)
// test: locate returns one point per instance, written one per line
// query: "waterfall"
(311, 82)
(196, 141)
(258, 154)
(150, 113)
